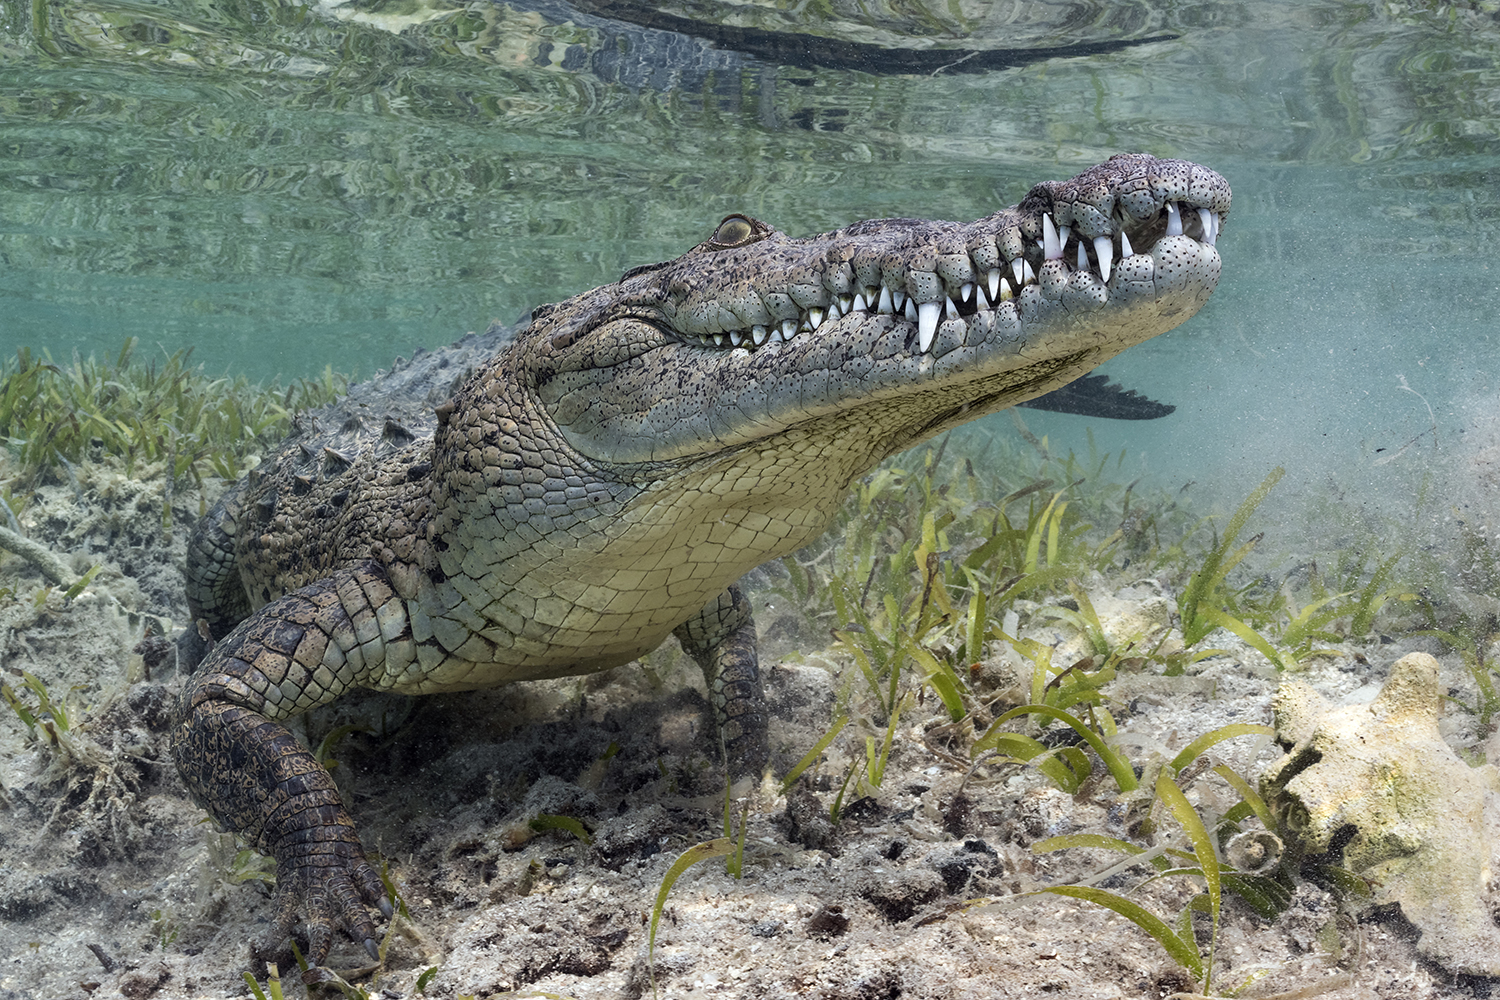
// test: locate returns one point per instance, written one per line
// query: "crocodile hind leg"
(241, 764)
(215, 595)
(722, 639)
(214, 590)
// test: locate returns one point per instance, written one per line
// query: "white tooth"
(1206, 219)
(718, 340)
(1105, 250)
(911, 310)
(886, 303)
(1051, 248)
(1083, 257)
(950, 311)
(1125, 248)
(845, 303)
(758, 334)
(898, 297)
(993, 280)
(1028, 276)
(1174, 220)
(859, 304)
(1063, 232)
(1005, 293)
(1015, 268)
(735, 336)
(814, 318)
(966, 291)
(1214, 236)
(788, 329)
(927, 323)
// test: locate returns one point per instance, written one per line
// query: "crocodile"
(602, 481)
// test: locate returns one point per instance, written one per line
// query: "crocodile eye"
(733, 231)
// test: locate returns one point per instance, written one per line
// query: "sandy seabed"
(112, 883)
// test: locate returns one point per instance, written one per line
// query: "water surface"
(285, 186)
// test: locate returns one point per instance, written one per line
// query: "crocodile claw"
(333, 884)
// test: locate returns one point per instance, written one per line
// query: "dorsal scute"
(384, 414)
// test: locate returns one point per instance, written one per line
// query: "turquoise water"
(285, 186)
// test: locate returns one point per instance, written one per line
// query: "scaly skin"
(603, 481)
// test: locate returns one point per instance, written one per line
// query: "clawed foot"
(334, 886)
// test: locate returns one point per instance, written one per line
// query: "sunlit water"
(283, 189)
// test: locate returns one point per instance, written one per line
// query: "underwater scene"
(1178, 685)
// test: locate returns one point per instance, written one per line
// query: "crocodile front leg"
(300, 651)
(722, 639)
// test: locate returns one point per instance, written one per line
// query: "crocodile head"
(757, 375)
(907, 326)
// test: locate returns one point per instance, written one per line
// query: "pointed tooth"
(1174, 219)
(966, 291)
(1005, 293)
(1083, 257)
(788, 329)
(1015, 269)
(735, 336)
(910, 310)
(887, 304)
(845, 303)
(718, 340)
(898, 297)
(858, 305)
(1206, 220)
(1105, 251)
(950, 311)
(814, 318)
(1028, 276)
(1051, 248)
(1063, 232)
(927, 324)
(993, 280)
(758, 334)
(1125, 248)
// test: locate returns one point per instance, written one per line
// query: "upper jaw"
(930, 272)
